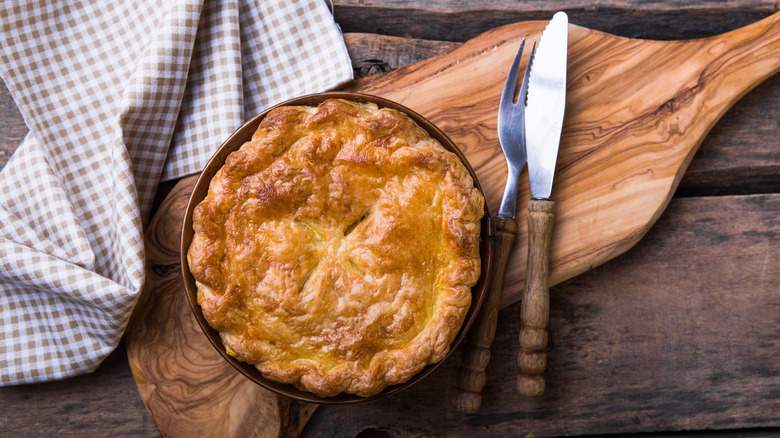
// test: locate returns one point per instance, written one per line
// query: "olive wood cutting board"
(636, 112)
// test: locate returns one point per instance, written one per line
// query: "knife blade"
(543, 124)
(546, 103)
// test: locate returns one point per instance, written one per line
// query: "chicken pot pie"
(337, 249)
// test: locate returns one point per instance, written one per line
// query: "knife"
(503, 229)
(543, 123)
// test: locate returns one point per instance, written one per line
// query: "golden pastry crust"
(337, 249)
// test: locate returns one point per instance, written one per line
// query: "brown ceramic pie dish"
(233, 143)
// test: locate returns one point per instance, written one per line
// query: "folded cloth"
(117, 96)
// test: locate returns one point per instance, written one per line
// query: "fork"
(511, 135)
(511, 131)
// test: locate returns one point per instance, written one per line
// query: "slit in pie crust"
(337, 249)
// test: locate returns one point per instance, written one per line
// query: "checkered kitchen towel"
(117, 95)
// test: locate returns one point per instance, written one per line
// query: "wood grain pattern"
(476, 353)
(186, 385)
(636, 113)
(736, 157)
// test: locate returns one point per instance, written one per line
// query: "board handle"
(535, 304)
(751, 55)
(476, 352)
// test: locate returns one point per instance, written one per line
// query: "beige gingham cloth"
(117, 96)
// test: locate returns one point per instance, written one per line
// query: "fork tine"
(508, 95)
(524, 86)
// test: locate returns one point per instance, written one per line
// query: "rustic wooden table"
(680, 334)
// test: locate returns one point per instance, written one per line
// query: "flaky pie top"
(336, 250)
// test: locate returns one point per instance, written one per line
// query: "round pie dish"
(201, 189)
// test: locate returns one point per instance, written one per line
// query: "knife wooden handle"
(535, 306)
(476, 352)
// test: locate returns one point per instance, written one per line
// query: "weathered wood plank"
(461, 20)
(102, 404)
(12, 127)
(375, 54)
(680, 333)
(741, 154)
(511, 5)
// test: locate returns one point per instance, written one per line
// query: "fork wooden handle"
(476, 351)
(535, 306)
